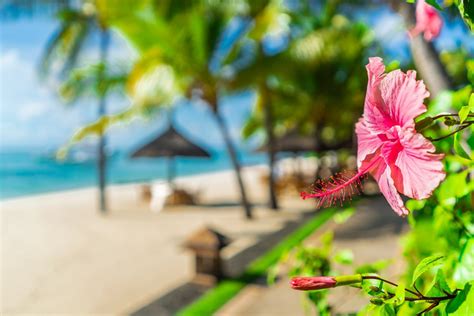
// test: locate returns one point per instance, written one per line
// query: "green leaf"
(465, 110)
(458, 147)
(426, 264)
(387, 310)
(453, 187)
(410, 1)
(464, 270)
(466, 9)
(373, 288)
(344, 257)
(374, 267)
(463, 303)
(463, 113)
(424, 123)
(415, 205)
(439, 285)
(399, 297)
(343, 216)
(434, 4)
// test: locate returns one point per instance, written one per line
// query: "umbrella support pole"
(171, 172)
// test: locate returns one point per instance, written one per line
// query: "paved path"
(372, 234)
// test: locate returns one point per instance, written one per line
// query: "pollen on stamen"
(336, 189)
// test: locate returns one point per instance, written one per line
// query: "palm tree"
(65, 47)
(176, 52)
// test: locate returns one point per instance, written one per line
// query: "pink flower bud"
(312, 283)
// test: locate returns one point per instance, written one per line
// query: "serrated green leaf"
(458, 147)
(426, 264)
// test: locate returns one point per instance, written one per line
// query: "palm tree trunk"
(424, 54)
(268, 111)
(235, 162)
(101, 160)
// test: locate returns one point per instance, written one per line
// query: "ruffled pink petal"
(368, 141)
(403, 97)
(382, 174)
(421, 169)
(374, 116)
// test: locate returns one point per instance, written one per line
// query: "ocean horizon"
(25, 173)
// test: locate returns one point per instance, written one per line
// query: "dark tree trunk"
(271, 150)
(235, 162)
(101, 159)
(424, 54)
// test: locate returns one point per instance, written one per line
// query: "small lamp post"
(207, 244)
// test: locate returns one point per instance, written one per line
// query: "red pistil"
(339, 187)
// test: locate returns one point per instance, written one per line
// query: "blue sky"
(33, 117)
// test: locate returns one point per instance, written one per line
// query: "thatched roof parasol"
(170, 144)
(292, 142)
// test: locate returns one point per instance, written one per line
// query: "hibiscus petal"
(386, 185)
(367, 141)
(374, 115)
(421, 169)
(403, 97)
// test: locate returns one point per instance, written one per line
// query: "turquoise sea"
(26, 173)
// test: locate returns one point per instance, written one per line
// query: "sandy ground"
(58, 255)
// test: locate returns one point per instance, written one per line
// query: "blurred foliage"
(320, 68)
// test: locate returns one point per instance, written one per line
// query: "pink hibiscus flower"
(428, 21)
(389, 148)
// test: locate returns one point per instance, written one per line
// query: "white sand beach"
(59, 255)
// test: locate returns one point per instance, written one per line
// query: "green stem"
(375, 277)
(448, 115)
(419, 296)
(452, 133)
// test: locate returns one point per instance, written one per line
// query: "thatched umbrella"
(170, 144)
(292, 142)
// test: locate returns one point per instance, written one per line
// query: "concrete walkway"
(372, 233)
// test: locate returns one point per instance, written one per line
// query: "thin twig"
(448, 115)
(428, 309)
(373, 277)
(450, 134)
